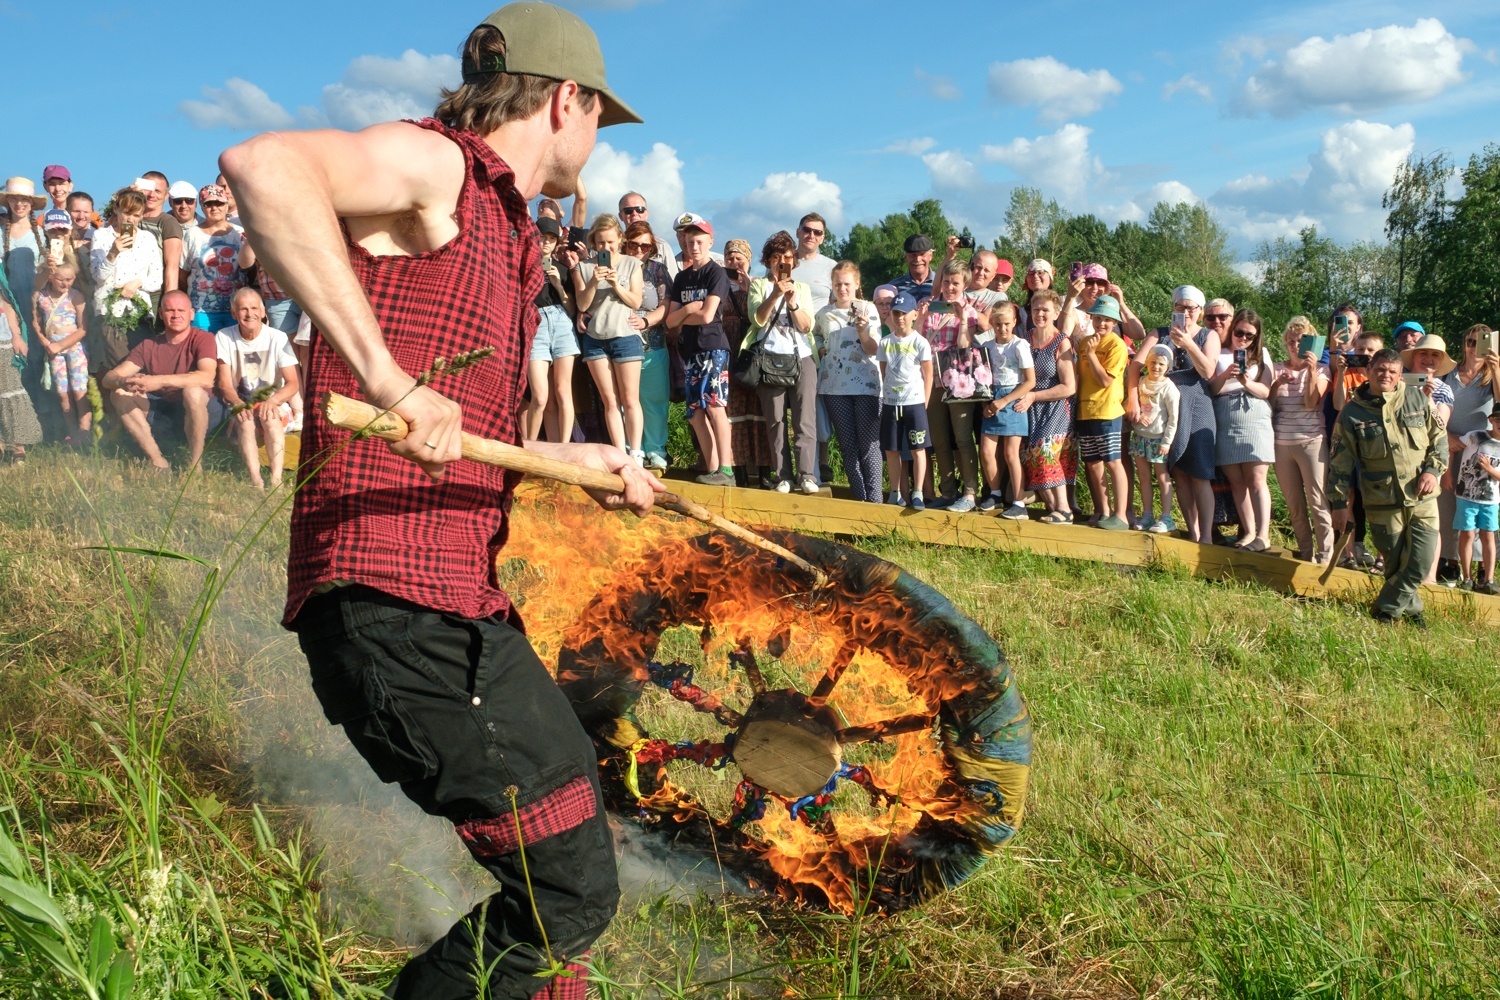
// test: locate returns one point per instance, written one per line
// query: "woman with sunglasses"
(647, 320)
(1216, 316)
(1475, 383)
(1195, 352)
(1245, 443)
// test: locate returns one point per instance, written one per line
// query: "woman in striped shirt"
(1302, 442)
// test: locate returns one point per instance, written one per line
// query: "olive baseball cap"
(545, 40)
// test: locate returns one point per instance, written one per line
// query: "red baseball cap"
(1003, 266)
(54, 172)
(692, 220)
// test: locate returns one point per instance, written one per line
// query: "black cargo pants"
(463, 715)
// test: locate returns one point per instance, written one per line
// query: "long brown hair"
(491, 100)
(1256, 353)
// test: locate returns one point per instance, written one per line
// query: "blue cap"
(903, 303)
(56, 218)
(1410, 324)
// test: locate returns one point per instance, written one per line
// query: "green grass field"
(1235, 794)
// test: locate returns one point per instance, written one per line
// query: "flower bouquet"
(123, 314)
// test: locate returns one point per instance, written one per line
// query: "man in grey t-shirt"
(633, 209)
(812, 267)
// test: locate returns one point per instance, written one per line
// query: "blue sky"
(1276, 115)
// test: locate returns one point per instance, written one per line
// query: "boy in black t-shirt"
(696, 313)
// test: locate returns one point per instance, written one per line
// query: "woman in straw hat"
(1429, 356)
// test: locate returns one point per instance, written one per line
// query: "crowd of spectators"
(940, 387)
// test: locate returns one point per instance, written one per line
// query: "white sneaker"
(638, 456)
(783, 487)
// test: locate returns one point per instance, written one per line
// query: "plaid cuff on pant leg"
(571, 987)
(570, 806)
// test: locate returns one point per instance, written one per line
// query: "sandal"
(1056, 517)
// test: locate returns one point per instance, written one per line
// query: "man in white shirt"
(257, 360)
(816, 271)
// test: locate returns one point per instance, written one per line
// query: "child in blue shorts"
(1476, 490)
(905, 384)
(1005, 424)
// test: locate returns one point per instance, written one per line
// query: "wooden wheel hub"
(788, 745)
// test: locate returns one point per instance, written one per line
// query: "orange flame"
(576, 574)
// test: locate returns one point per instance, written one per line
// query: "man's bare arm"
(293, 189)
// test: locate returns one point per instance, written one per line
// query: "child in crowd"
(19, 426)
(951, 411)
(1476, 488)
(906, 384)
(848, 338)
(696, 315)
(1003, 427)
(60, 314)
(1102, 357)
(1344, 377)
(1158, 402)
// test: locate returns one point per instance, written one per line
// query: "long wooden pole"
(353, 415)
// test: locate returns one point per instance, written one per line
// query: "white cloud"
(777, 203)
(1138, 209)
(1060, 161)
(951, 169)
(376, 89)
(940, 87)
(1187, 84)
(1370, 69)
(911, 147)
(611, 173)
(373, 89)
(239, 104)
(1058, 91)
(1339, 191)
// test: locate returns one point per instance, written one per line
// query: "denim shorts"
(283, 314)
(554, 335)
(617, 350)
(1471, 516)
(1006, 423)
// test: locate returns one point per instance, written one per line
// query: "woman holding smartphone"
(128, 259)
(1195, 354)
(780, 320)
(1244, 442)
(610, 290)
(1475, 383)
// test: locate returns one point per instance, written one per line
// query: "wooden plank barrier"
(1281, 572)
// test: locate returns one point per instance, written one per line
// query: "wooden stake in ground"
(353, 415)
(1340, 546)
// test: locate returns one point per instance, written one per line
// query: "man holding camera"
(1389, 433)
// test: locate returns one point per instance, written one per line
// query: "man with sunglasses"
(183, 198)
(633, 209)
(812, 266)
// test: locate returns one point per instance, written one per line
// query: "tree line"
(1439, 263)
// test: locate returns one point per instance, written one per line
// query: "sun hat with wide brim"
(22, 186)
(1431, 342)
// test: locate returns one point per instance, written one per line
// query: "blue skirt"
(1006, 423)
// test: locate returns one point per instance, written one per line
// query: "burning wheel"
(893, 752)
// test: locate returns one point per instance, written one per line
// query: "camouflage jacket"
(1389, 440)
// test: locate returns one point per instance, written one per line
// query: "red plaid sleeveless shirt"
(371, 518)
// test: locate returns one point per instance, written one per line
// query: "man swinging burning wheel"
(407, 243)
